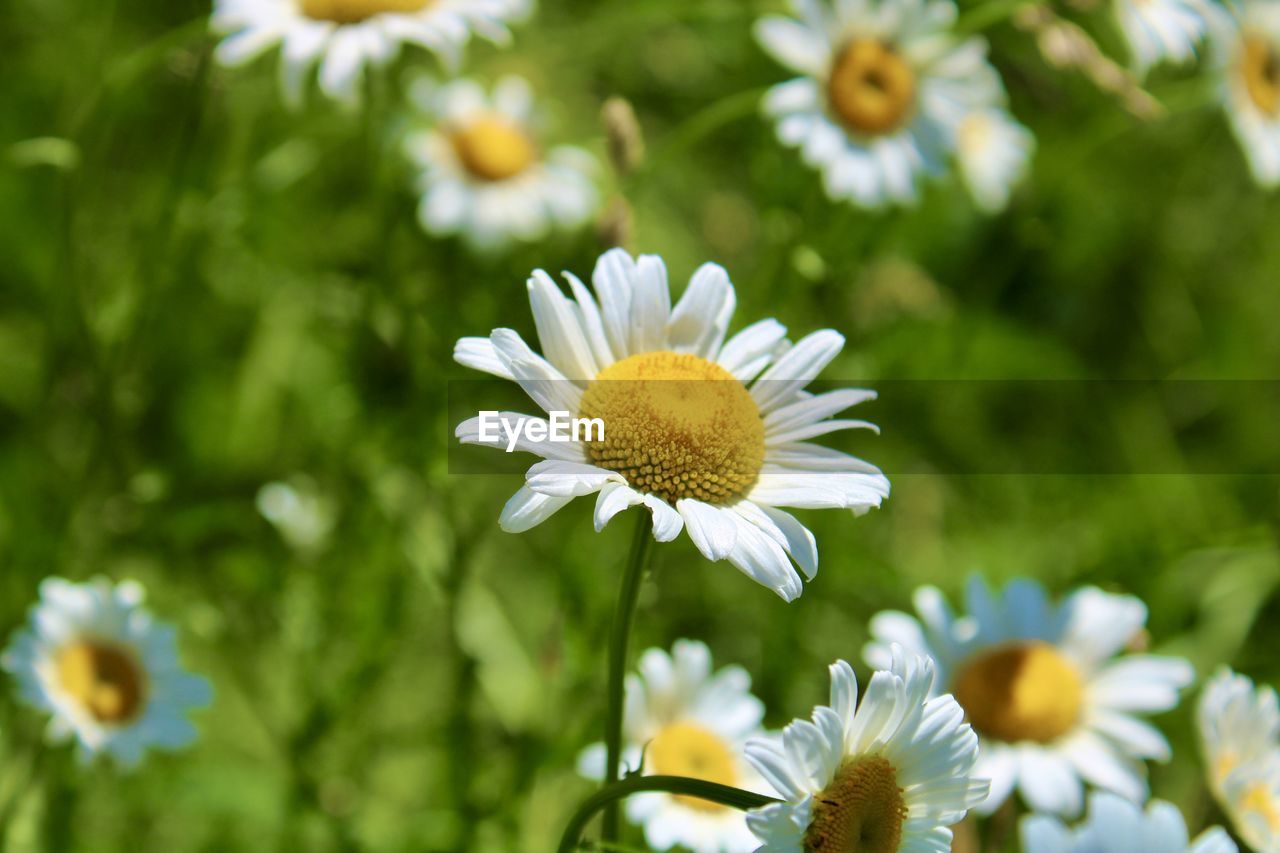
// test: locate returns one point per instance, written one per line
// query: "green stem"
(620, 633)
(611, 794)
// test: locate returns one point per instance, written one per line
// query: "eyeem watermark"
(557, 427)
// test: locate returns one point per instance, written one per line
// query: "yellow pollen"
(676, 426)
(1021, 692)
(493, 148)
(1259, 800)
(688, 749)
(872, 89)
(106, 680)
(1260, 68)
(861, 811)
(355, 11)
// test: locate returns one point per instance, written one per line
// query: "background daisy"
(1115, 825)
(1247, 61)
(1240, 736)
(1163, 30)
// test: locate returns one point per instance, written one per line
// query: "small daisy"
(1248, 65)
(992, 150)
(343, 36)
(1162, 30)
(685, 435)
(107, 672)
(892, 773)
(1240, 735)
(876, 106)
(482, 173)
(1043, 687)
(683, 720)
(1116, 825)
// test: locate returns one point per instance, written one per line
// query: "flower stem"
(612, 793)
(620, 633)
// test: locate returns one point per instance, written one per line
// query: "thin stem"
(612, 794)
(620, 633)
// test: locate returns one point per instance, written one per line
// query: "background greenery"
(203, 293)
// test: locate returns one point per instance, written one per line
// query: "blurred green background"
(203, 294)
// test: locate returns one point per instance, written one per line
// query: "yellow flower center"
(688, 749)
(106, 680)
(872, 88)
(355, 11)
(1259, 800)
(493, 148)
(1021, 692)
(676, 426)
(861, 811)
(1260, 68)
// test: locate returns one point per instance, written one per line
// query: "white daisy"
(1240, 735)
(1162, 30)
(992, 149)
(1247, 59)
(682, 720)
(877, 105)
(685, 435)
(107, 672)
(892, 773)
(343, 36)
(1043, 688)
(1115, 825)
(482, 173)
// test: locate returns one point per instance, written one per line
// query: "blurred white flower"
(344, 36)
(1043, 688)
(684, 435)
(1247, 62)
(681, 719)
(1115, 825)
(299, 511)
(891, 773)
(482, 173)
(108, 674)
(992, 149)
(1163, 30)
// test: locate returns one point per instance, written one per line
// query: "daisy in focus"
(1162, 30)
(1115, 825)
(681, 719)
(1247, 60)
(482, 173)
(709, 434)
(891, 773)
(1047, 687)
(876, 106)
(108, 674)
(1240, 735)
(345, 36)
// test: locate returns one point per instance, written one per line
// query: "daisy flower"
(684, 433)
(875, 108)
(1116, 825)
(683, 720)
(1044, 688)
(1247, 62)
(343, 36)
(1240, 735)
(481, 172)
(992, 149)
(1162, 30)
(891, 773)
(108, 673)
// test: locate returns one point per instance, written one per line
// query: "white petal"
(701, 317)
(713, 531)
(527, 509)
(778, 385)
(568, 479)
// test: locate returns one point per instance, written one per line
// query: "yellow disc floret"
(1026, 691)
(493, 148)
(688, 749)
(676, 426)
(871, 89)
(355, 11)
(861, 811)
(1260, 69)
(106, 681)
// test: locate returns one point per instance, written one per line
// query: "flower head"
(1115, 825)
(1247, 64)
(1240, 736)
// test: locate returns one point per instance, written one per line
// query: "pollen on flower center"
(861, 811)
(872, 88)
(676, 426)
(688, 749)
(1260, 68)
(355, 11)
(1026, 691)
(493, 148)
(107, 681)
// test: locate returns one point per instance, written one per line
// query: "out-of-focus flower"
(1043, 687)
(108, 674)
(1246, 58)
(482, 173)
(875, 108)
(992, 149)
(683, 433)
(1115, 825)
(681, 719)
(1162, 30)
(893, 772)
(344, 36)
(302, 514)
(1240, 735)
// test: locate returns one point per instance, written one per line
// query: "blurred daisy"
(482, 173)
(1162, 30)
(1115, 825)
(343, 36)
(682, 720)
(684, 433)
(992, 149)
(1043, 687)
(1240, 735)
(108, 674)
(876, 105)
(1248, 65)
(892, 773)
